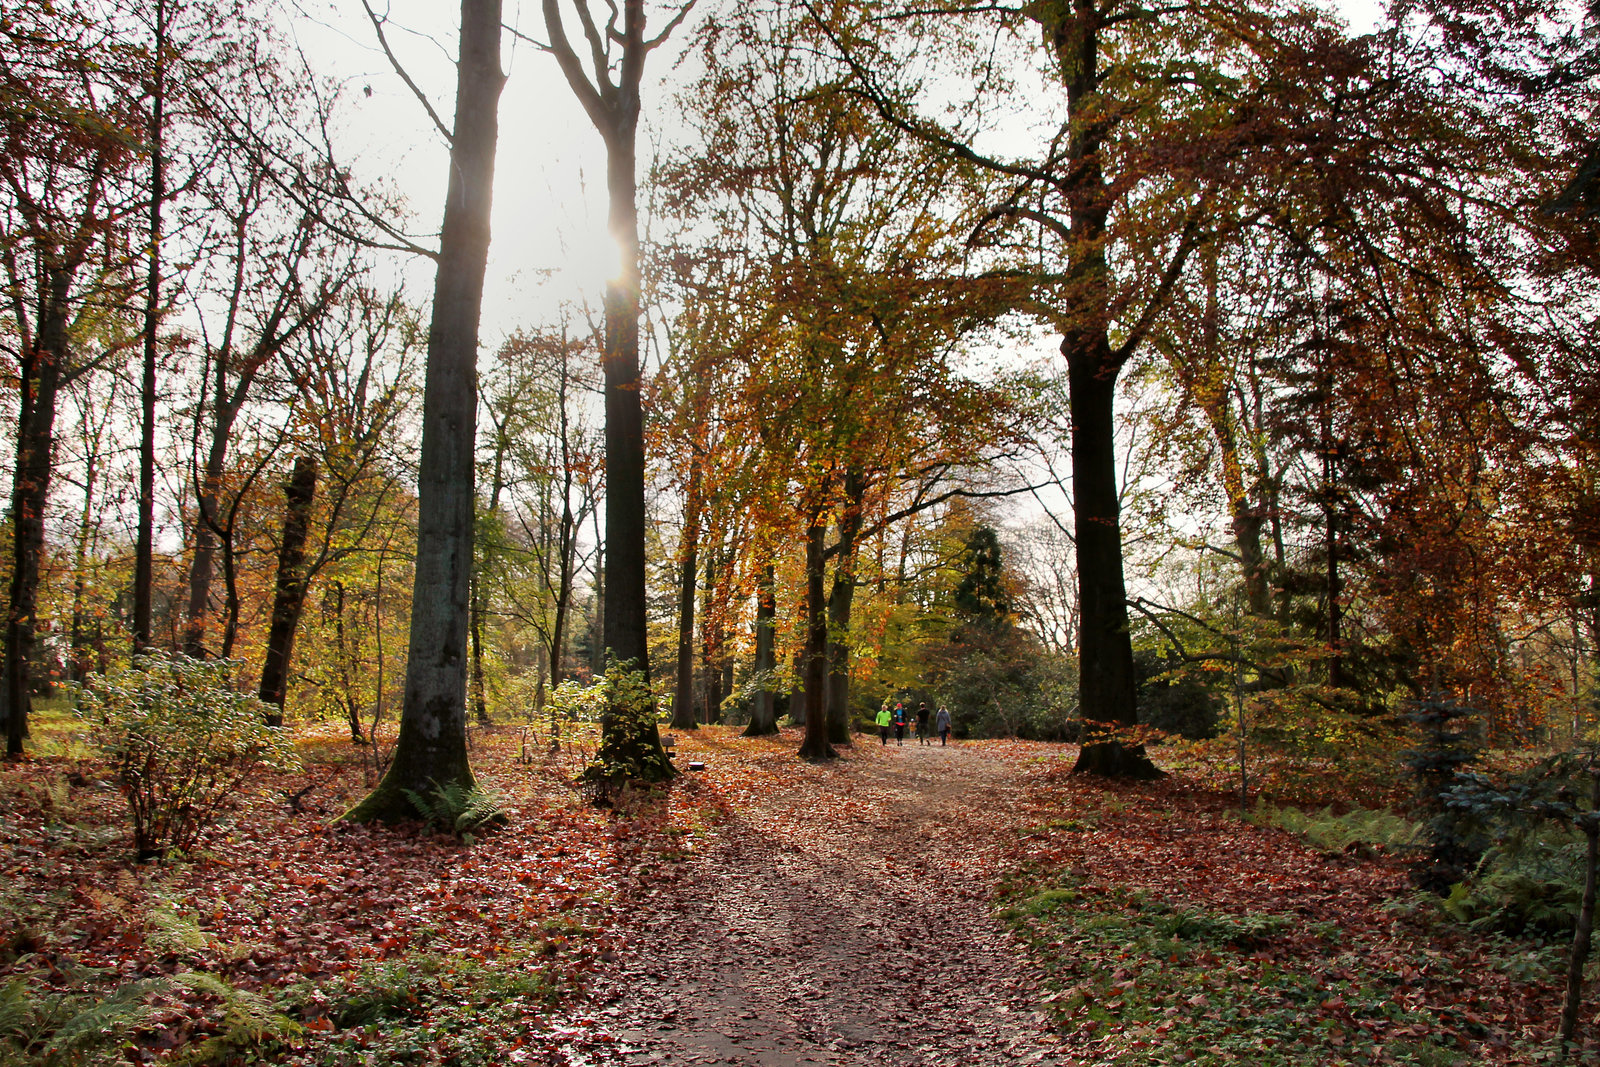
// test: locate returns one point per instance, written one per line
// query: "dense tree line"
(1072, 365)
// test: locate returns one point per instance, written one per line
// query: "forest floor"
(839, 917)
(974, 905)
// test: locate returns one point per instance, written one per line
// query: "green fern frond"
(102, 1024)
(248, 1020)
(15, 1009)
(456, 807)
(172, 931)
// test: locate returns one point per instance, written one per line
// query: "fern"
(248, 1021)
(456, 807)
(1335, 833)
(14, 1010)
(48, 1027)
(171, 931)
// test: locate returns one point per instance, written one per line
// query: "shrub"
(1455, 842)
(629, 749)
(1172, 701)
(182, 743)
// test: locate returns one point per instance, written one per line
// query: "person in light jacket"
(941, 723)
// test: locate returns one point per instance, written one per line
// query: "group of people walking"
(898, 718)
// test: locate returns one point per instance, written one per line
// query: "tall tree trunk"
(597, 620)
(88, 530)
(816, 745)
(683, 716)
(629, 737)
(290, 595)
(763, 713)
(431, 750)
(144, 549)
(840, 600)
(480, 700)
(630, 741)
(711, 638)
(344, 658)
(1107, 691)
(1330, 526)
(558, 629)
(36, 416)
(203, 562)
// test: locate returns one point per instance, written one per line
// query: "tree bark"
(290, 595)
(40, 386)
(144, 548)
(431, 750)
(711, 638)
(816, 744)
(840, 600)
(1583, 931)
(1108, 692)
(627, 740)
(683, 716)
(763, 712)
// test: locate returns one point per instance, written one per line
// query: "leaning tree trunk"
(763, 713)
(290, 595)
(431, 751)
(36, 417)
(816, 745)
(202, 565)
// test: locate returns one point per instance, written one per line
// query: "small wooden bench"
(670, 743)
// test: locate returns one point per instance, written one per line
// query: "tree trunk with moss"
(431, 751)
(763, 713)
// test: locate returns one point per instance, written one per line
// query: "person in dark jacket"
(922, 724)
(899, 724)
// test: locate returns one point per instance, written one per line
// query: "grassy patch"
(1147, 982)
(430, 1008)
(1323, 829)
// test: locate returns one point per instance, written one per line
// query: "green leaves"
(182, 742)
(456, 807)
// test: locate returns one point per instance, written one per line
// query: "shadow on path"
(843, 920)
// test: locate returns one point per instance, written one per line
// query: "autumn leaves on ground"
(969, 905)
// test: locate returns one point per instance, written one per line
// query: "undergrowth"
(428, 1008)
(1149, 982)
(1324, 830)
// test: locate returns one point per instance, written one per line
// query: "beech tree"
(609, 93)
(431, 751)
(859, 308)
(70, 133)
(1157, 118)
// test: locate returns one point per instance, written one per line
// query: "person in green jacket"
(885, 720)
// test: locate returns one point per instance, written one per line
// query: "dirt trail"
(841, 921)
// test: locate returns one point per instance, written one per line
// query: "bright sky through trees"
(549, 240)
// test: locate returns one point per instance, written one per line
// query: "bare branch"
(394, 61)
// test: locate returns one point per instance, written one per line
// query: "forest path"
(840, 917)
